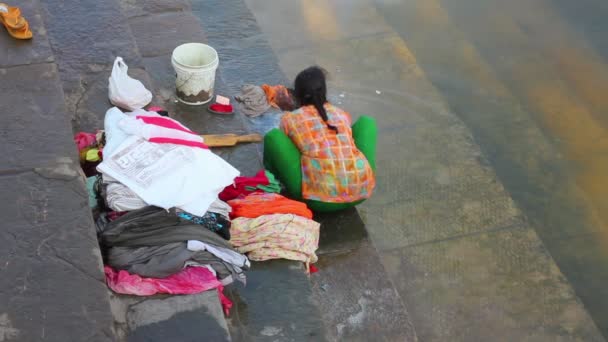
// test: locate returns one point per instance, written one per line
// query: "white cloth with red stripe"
(162, 161)
(162, 130)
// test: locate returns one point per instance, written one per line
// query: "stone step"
(51, 279)
(84, 76)
(170, 318)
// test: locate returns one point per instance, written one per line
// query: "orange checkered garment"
(333, 169)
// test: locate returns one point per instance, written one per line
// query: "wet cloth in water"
(258, 204)
(281, 236)
(279, 97)
(152, 242)
(253, 100)
(190, 280)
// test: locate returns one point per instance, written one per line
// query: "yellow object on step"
(92, 155)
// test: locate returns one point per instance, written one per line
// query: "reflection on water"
(530, 80)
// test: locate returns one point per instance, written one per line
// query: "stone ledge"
(52, 287)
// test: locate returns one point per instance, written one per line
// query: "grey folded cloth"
(165, 260)
(152, 242)
(153, 226)
(253, 100)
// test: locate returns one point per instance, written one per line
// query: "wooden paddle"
(224, 140)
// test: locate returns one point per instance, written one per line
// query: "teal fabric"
(282, 158)
(91, 191)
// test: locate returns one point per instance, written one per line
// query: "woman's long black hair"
(310, 89)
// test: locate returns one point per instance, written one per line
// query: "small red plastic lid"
(220, 108)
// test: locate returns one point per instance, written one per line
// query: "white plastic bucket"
(195, 66)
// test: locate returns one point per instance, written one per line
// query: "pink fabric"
(190, 280)
(84, 140)
(162, 130)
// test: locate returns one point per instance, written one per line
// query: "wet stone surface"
(341, 232)
(276, 305)
(100, 26)
(356, 298)
(245, 55)
(35, 130)
(137, 8)
(52, 286)
(159, 34)
(352, 289)
(214, 15)
(478, 287)
(177, 318)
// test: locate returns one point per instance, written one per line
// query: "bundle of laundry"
(271, 226)
(263, 181)
(256, 100)
(253, 100)
(280, 236)
(158, 161)
(153, 242)
(279, 97)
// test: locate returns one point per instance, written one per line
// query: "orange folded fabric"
(259, 204)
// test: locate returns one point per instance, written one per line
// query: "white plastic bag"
(124, 91)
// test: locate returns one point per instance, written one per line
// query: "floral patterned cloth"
(280, 236)
(333, 169)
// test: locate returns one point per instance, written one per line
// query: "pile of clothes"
(172, 217)
(270, 226)
(153, 187)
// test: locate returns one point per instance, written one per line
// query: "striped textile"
(161, 130)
